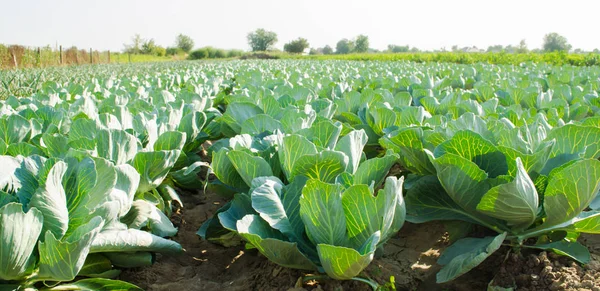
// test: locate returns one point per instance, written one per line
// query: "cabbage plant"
(63, 218)
(529, 204)
(313, 225)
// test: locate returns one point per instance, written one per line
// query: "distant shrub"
(235, 53)
(262, 56)
(159, 51)
(172, 51)
(199, 54)
(220, 54)
(211, 51)
(296, 46)
(214, 53)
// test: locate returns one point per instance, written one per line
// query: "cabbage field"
(311, 172)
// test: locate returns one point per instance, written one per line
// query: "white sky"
(426, 24)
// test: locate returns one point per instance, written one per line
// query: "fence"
(17, 56)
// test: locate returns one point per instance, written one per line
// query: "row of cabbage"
(89, 176)
(307, 152)
(512, 149)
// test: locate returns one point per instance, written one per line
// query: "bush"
(220, 54)
(296, 46)
(210, 51)
(199, 54)
(159, 51)
(260, 56)
(214, 53)
(171, 51)
(234, 53)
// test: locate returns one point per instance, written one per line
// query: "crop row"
(323, 162)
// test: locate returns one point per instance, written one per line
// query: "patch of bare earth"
(548, 271)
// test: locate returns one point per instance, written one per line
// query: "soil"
(548, 271)
(410, 258)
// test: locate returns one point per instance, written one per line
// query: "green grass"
(555, 58)
(124, 58)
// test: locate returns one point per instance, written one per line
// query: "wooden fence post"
(39, 57)
(91, 57)
(60, 54)
(14, 59)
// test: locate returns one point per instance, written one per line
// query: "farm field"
(300, 174)
(498, 58)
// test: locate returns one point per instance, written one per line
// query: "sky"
(426, 24)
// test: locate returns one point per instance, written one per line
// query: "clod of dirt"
(547, 271)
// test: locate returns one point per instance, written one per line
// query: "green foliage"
(89, 180)
(171, 51)
(344, 46)
(332, 230)
(198, 54)
(95, 157)
(358, 45)
(361, 44)
(184, 43)
(555, 42)
(136, 45)
(159, 51)
(296, 46)
(553, 58)
(261, 40)
(397, 49)
(234, 53)
(151, 48)
(212, 53)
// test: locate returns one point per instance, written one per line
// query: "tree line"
(262, 40)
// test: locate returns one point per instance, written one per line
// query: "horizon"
(108, 25)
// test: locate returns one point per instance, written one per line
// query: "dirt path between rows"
(410, 257)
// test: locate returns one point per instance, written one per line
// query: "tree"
(344, 46)
(495, 48)
(522, 48)
(392, 48)
(148, 46)
(296, 46)
(184, 43)
(327, 50)
(136, 45)
(361, 44)
(555, 42)
(261, 40)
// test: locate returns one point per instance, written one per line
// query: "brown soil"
(548, 271)
(409, 257)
